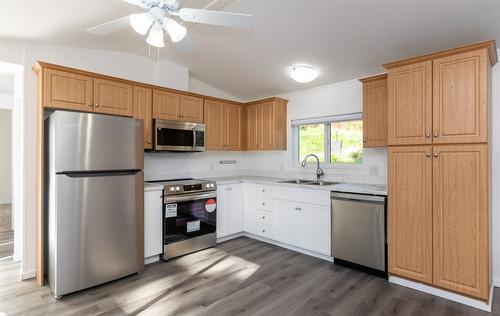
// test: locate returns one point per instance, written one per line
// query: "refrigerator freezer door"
(86, 142)
(96, 231)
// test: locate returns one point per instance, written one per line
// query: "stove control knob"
(212, 185)
(172, 189)
(207, 185)
(177, 188)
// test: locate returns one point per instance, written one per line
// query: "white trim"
(151, 259)
(226, 238)
(5, 202)
(283, 245)
(444, 294)
(328, 119)
(28, 275)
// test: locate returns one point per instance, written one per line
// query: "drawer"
(265, 230)
(265, 204)
(264, 190)
(265, 217)
(308, 196)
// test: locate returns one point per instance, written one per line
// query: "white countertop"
(152, 187)
(342, 187)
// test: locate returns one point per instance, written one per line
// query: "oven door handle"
(188, 197)
(194, 138)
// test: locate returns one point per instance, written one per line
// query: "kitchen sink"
(296, 181)
(321, 183)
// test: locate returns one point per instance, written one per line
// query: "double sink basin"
(308, 182)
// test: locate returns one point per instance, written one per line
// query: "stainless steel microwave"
(178, 136)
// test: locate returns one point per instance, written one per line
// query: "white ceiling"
(345, 39)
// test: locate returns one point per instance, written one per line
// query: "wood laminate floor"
(5, 217)
(238, 277)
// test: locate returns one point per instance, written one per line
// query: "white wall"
(5, 156)
(198, 86)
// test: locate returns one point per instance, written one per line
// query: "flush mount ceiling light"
(157, 20)
(303, 73)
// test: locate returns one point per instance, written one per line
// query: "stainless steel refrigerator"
(94, 199)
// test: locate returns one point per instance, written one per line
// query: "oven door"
(179, 136)
(189, 216)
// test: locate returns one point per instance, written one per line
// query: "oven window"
(192, 219)
(174, 137)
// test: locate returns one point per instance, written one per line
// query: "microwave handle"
(194, 138)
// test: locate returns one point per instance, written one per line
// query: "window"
(335, 139)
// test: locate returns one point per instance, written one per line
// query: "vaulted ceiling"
(344, 39)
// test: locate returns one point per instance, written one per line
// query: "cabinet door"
(375, 113)
(113, 97)
(461, 98)
(214, 124)
(410, 212)
(153, 224)
(166, 105)
(254, 127)
(143, 109)
(315, 223)
(266, 126)
(235, 209)
(286, 222)
(410, 104)
(233, 127)
(250, 208)
(65, 90)
(222, 210)
(191, 109)
(461, 260)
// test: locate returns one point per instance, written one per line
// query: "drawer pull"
(263, 217)
(263, 230)
(298, 209)
(263, 203)
(263, 190)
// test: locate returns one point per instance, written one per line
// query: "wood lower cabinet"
(223, 125)
(460, 105)
(113, 97)
(375, 111)
(66, 90)
(266, 125)
(410, 212)
(460, 220)
(143, 109)
(410, 104)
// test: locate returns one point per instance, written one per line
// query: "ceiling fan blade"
(139, 3)
(244, 21)
(110, 26)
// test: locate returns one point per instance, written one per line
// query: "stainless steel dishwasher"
(359, 231)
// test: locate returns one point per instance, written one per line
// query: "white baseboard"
(151, 259)
(283, 245)
(28, 275)
(444, 294)
(226, 238)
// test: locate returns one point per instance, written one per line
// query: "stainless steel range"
(189, 216)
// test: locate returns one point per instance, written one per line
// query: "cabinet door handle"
(364, 140)
(263, 203)
(90, 104)
(263, 230)
(436, 134)
(96, 105)
(263, 217)
(263, 190)
(427, 135)
(428, 154)
(436, 154)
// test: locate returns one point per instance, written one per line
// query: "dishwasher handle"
(358, 197)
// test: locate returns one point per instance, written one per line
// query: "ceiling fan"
(158, 19)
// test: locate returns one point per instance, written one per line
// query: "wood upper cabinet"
(460, 195)
(460, 102)
(191, 109)
(223, 125)
(66, 90)
(113, 97)
(266, 125)
(410, 104)
(375, 111)
(143, 109)
(166, 105)
(410, 212)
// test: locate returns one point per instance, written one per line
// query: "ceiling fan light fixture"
(303, 73)
(175, 30)
(141, 22)
(155, 37)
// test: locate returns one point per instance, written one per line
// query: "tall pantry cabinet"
(438, 137)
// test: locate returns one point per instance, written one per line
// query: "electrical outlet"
(374, 170)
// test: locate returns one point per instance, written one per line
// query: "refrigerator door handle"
(108, 173)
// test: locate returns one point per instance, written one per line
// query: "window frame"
(327, 121)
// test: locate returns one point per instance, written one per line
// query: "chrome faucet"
(319, 171)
